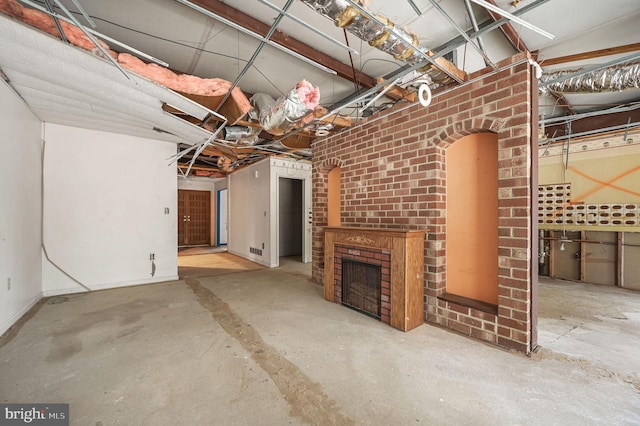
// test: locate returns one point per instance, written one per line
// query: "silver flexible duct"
(244, 135)
(279, 116)
(611, 79)
(376, 34)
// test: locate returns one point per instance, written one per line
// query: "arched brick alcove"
(394, 176)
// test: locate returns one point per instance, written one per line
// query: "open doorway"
(221, 218)
(290, 218)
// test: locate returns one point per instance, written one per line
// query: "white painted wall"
(105, 197)
(253, 209)
(250, 212)
(20, 212)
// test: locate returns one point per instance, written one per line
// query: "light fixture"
(514, 18)
(563, 240)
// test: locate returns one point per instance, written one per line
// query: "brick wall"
(394, 176)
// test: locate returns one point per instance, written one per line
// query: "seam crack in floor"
(305, 397)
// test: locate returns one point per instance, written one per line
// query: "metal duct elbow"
(279, 116)
(610, 79)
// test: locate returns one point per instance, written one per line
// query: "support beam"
(240, 18)
(591, 54)
(593, 123)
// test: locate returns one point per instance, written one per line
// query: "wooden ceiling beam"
(634, 47)
(343, 70)
(593, 123)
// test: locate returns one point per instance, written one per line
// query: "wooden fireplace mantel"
(407, 267)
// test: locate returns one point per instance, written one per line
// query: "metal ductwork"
(610, 79)
(279, 116)
(377, 33)
(241, 134)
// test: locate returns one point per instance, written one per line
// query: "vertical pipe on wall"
(552, 255)
(541, 254)
(620, 260)
(533, 194)
(583, 260)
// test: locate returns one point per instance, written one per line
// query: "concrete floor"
(262, 347)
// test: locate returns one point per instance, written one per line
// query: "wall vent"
(253, 250)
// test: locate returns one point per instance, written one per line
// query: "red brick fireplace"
(400, 256)
(393, 175)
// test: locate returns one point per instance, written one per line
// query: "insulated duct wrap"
(279, 116)
(376, 33)
(241, 134)
(611, 79)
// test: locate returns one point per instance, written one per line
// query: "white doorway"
(222, 222)
(290, 217)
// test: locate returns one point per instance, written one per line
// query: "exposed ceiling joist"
(592, 54)
(343, 70)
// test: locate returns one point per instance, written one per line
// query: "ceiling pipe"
(610, 76)
(382, 33)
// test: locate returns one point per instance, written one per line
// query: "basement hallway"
(263, 347)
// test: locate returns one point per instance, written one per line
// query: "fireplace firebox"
(361, 287)
(399, 257)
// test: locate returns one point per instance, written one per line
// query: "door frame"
(305, 254)
(219, 215)
(186, 193)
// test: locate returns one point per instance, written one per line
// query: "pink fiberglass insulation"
(308, 94)
(42, 21)
(183, 83)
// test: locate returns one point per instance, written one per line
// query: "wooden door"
(194, 218)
